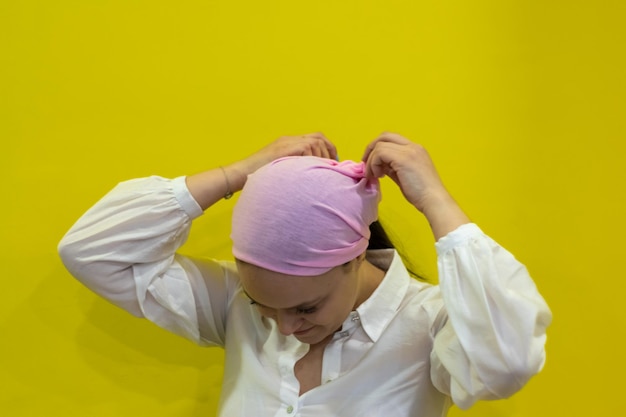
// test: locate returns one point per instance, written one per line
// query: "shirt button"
(290, 409)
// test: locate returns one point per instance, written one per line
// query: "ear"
(355, 262)
(358, 261)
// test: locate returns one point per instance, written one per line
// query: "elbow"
(520, 358)
(77, 261)
(108, 281)
(70, 256)
(499, 381)
(515, 375)
(66, 252)
(64, 249)
(506, 364)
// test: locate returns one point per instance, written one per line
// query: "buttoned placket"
(290, 387)
(331, 366)
(331, 362)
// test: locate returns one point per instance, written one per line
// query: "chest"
(308, 370)
(268, 374)
(339, 378)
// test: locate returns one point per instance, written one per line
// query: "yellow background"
(521, 104)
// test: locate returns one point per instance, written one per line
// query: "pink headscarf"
(304, 215)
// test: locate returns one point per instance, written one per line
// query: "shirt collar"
(376, 312)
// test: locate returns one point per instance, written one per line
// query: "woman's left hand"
(411, 168)
(407, 164)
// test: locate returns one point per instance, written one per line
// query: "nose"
(287, 322)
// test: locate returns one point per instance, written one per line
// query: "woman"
(313, 324)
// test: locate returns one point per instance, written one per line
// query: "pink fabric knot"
(304, 215)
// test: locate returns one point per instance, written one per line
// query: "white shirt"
(408, 350)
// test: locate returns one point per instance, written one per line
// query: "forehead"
(276, 290)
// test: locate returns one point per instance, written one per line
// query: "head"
(311, 308)
(300, 231)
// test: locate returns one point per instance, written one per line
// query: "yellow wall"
(521, 104)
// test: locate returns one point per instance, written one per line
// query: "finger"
(384, 159)
(304, 145)
(368, 150)
(375, 165)
(393, 137)
(376, 151)
(304, 149)
(323, 150)
(318, 135)
(311, 144)
(385, 137)
(316, 149)
(330, 147)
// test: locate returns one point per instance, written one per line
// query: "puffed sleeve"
(124, 249)
(492, 341)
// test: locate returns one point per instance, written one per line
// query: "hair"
(379, 239)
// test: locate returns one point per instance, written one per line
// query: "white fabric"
(408, 350)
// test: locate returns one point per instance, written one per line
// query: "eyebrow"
(300, 306)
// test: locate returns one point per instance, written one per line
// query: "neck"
(369, 279)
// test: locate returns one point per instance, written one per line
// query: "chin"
(312, 336)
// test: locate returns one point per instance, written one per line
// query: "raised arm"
(124, 247)
(490, 335)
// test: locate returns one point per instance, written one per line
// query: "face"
(310, 308)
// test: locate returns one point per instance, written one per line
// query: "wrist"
(443, 214)
(237, 174)
(238, 171)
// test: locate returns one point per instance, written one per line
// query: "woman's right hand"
(210, 186)
(312, 144)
